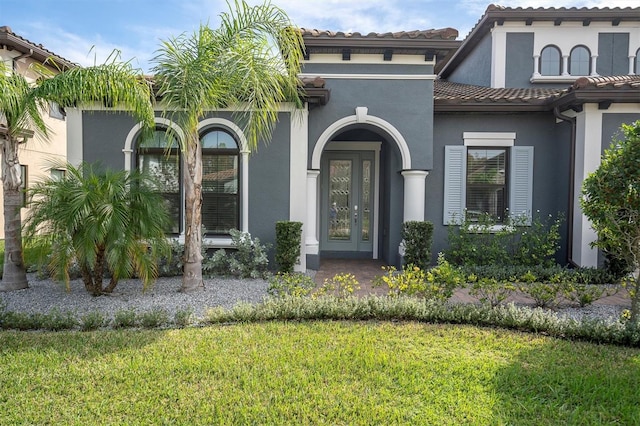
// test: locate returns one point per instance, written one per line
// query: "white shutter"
(521, 186)
(454, 184)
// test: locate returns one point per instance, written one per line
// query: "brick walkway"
(366, 270)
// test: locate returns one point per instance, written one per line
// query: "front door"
(347, 204)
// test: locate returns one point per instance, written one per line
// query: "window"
(23, 183)
(486, 183)
(488, 175)
(550, 61)
(58, 174)
(580, 61)
(220, 200)
(159, 157)
(56, 111)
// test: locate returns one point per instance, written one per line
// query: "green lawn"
(314, 373)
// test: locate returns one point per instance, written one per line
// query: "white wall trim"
(505, 139)
(364, 58)
(499, 58)
(75, 153)
(362, 115)
(135, 130)
(298, 149)
(371, 76)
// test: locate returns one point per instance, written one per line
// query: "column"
(311, 227)
(594, 61)
(414, 194)
(632, 60)
(245, 190)
(536, 66)
(565, 64)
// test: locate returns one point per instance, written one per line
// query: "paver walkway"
(365, 272)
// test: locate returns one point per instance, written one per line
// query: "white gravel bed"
(44, 295)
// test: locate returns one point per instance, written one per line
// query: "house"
(38, 158)
(410, 126)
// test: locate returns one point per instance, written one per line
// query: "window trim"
(520, 187)
(573, 49)
(559, 52)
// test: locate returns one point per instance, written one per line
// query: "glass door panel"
(365, 222)
(340, 179)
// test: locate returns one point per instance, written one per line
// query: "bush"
(248, 259)
(288, 240)
(291, 284)
(417, 237)
(490, 290)
(340, 286)
(93, 321)
(483, 241)
(153, 318)
(125, 318)
(439, 282)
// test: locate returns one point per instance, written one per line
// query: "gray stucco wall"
(519, 60)
(104, 137)
(551, 163)
(405, 104)
(269, 183)
(476, 67)
(611, 127)
(613, 54)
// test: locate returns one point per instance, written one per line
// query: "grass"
(314, 373)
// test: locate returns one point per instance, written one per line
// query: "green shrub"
(340, 286)
(417, 237)
(155, 317)
(439, 282)
(93, 321)
(125, 318)
(586, 294)
(482, 241)
(248, 259)
(288, 240)
(184, 317)
(489, 290)
(57, 320)
(290, 284)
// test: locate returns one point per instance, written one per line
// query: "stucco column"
(594, 62)
(536, 65)
(245, 190)
(311, 227)
(565, 64)
(632, 60)
(414, 194)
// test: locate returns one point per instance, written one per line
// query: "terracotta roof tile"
(443, 34)
(449, 91)
(8, 37)
(617, 81)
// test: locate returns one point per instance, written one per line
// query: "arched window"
(580, 61)
(159, 156)
(220, 184)
(550, 61)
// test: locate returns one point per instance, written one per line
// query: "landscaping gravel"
(45, 295)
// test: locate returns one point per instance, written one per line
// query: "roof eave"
(36, 52)
(488, 107)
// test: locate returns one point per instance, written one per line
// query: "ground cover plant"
(314, 373)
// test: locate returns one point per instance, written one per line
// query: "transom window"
(550, 61)
(580, 61)
(486, 190)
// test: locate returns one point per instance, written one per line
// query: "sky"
(87, 32)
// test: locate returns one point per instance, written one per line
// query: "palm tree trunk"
(192, 166)
(14, 274)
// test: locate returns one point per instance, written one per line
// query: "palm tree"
(21, 104)
(250, 64)
(99, 220)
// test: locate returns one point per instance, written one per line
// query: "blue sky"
(87, 31)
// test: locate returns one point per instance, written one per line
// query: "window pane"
(218, 139)
(486, 183)
(160, 139)
(550, 61)
(165, 171)
(579, 64)
(220, 193)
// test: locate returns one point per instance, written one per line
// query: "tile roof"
(443, 34)
(448, 91)
(14, 41)
(617, 81)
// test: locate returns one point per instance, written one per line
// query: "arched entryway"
(360, 188)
